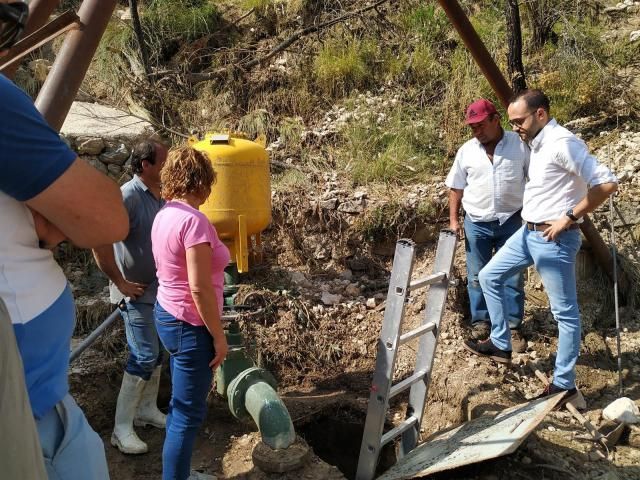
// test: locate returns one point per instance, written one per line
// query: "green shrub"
(259, 4)
(576, 73)
(394, 219)
(257, 122)
(426, 22)
(183, 20)
(380, 222)
(290, 180)
(394, 147)
(425, 68)
(109, 61)
(341, 66)
(290, 130)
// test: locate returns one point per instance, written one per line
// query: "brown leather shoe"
(486, 348)
(518, 341)
(551, 389)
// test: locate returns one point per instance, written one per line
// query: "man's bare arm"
(85, 205)
(106, 260)
(455, 201)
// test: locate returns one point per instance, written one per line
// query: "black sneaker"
(480, 331)
(486, 348)
(551, 389)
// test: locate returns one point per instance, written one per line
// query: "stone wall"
(104, 137)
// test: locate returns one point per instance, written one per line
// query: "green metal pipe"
(270, 414)
(252, 395)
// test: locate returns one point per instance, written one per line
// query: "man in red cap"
(487, 179)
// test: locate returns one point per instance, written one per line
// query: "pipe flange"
(239, 386)
(283, 459)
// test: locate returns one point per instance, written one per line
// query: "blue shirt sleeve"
(32, 155)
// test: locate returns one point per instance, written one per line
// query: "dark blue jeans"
(191, 350)
(482, 239)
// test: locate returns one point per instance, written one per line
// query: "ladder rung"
(428, 280)
(406, 383)
(410, 335)
(399, 430)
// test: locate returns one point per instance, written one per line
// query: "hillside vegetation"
(374, 93)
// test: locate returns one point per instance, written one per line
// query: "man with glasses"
(47, 195)
(487, 178)
(565, 183)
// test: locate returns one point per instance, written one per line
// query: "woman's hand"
(221, 348)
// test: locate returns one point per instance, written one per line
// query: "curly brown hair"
(186, 171)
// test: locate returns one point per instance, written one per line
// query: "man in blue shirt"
(47, 194)
(132, 273)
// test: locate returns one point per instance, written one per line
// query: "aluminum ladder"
(391, 338)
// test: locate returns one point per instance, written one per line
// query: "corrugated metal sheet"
(481, 439)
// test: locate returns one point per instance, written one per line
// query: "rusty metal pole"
(480, 54)
(71, 65)
(502, 89)
(39, 13)
(60, 25)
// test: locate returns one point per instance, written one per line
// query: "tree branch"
(203, 77)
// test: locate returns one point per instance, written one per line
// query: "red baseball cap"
(479, 110)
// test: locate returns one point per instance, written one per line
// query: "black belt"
(539, 227)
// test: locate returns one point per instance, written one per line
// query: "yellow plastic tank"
(240, 202)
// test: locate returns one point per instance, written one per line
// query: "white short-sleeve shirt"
(492, 190)
(560, 173)
(30, 278)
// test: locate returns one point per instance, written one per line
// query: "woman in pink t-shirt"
(190, 261)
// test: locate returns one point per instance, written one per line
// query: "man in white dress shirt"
(487, 178)
(565, 183)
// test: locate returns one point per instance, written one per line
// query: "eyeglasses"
(518, 122)
(13, 20)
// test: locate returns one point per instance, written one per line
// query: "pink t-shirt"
(176, 228)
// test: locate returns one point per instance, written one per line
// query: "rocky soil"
(322, 292)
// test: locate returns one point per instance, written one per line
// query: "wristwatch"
(571, 215)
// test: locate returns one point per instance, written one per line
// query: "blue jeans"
(481, 240)
(191, 350)
(555, 262)
(145, 353)
(71, 449)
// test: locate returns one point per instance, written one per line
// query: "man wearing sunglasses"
(487, 178)
(47, 195)
(565, 183)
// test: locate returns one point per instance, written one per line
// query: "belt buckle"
(537, 227)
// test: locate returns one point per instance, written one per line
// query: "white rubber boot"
(148, 413)
(123, 436)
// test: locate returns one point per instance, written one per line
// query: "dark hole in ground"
(335, 436)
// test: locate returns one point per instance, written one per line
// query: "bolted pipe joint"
(252, 395)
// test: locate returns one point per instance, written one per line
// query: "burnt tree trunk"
(137, 28)
(542, 15)
(514, 55)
